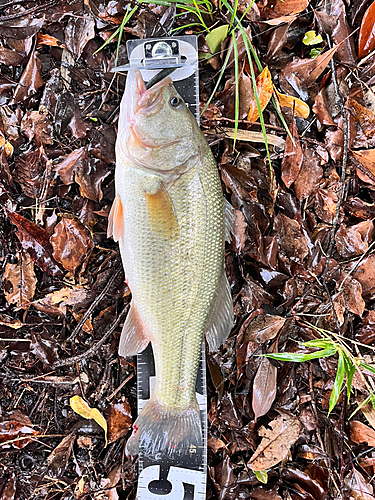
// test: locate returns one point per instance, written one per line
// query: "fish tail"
(167, 433)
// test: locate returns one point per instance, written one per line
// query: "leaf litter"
(293, 278)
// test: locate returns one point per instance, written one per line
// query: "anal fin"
(116, 219)
(221, 319)
(134, 336)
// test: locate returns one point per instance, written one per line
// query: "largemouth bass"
(169, 219)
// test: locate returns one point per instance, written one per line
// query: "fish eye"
(176, 102)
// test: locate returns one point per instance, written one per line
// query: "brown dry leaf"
(35, 125)
(290, 239)
(70, 242)
(29, 170)
(366, 40)
(365, 274)
(265, 89)
(45, 39)
(325, 204)
(251, 136)
(354, 240)
(83, 409)
(264, 386)
(56, 302)
(352, 294)
(67, 167)
(276, 442)
(30, 80)
(262, 328)
(366, 158)
(35, 241)
(321, 110)
(359, 488)
(300, 108)
(361, 433)
(310, 174)
(119, 419)
(10, 322)
(285, 8)
(239, 236)
(293, 157)
(58, 459)
(16, 425)
(19, 281)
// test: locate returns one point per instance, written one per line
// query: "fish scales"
(169, 219)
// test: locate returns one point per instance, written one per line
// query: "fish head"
(159, 131)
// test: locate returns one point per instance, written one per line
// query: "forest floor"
(301, 264)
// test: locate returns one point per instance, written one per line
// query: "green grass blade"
(219, 79)
(368, 367)
(321, 344)
(349, 372)
(337, 386)
(237, 93)
(297, 357)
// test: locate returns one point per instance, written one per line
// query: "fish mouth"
(149, 100)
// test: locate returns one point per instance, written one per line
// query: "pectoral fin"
(221, 320)
(116, 219)
(134, 336)
(161, 212)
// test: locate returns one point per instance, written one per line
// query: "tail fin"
(172, 434)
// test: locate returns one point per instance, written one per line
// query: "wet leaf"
(310, 174)
(35, 241)
(31, 79)
(10, 322)
(366, 158)
(44, 346)
(119, 419)
(78, 32)
(264, 388)
(359, 488)
(285, 8)
(21, 28)
(289, 236)
(366, 42)
(58, 460)
(239, 236)
(29, 170)
(35, 125)
(83, 409)
(300, 108)
(16, 425)
(264, 87)
(352, 294)
(70, 243)
(19, 281)
(8, 492)
(72, 162)
(365, 274)
(361, 433)
(293, 157)
(262, 328)
(45, 39)
(276, 442)
(89, 176)
(321, 109)
(354, 240)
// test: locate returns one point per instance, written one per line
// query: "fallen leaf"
(276, 442)
(8, 492)
(359, 488)
(310, 174)
(366, 334)
(239, 236)
(365, 124)
(56, 302)
(16, 425)
(21, 28)
(322, 111)
(35, 241)
(89, 176)
(262, 328)
(83, 409)
(44, 347)
(19, 281)
(31, 79)
(10, 57)
(35, 125)
(366, 39)
(325, 204)
(29, 170)
(265, 89)
(365, 274)
(251, 136)
(73, 161)
(352, 294)
(354, 240)
(264, 386)
(46, 39)
(284, 8)
(366, 158)
(361, 433)
(10, 322)
(300, 108)
(311, 38)
(78, 32)
(292, 158)
(70, 243)
(290, 238)
(119, 419)
(58, 459)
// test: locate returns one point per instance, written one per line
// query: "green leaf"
(337, 386)
(322, 344)
(349, 372)
(261, 475)
(216, 37)
(315, 52)
(368, 367)
(311, 38)
(297, 357)
(372, 399)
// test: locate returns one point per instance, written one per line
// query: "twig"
(93, 305)
(111, 396)
(28, 11)
(90, 352)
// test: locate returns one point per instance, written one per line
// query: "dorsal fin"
(116, 219)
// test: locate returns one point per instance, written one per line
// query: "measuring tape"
(185, 477)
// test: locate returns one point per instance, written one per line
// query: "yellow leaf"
(82, 408)
(265, 89)
(301, 109)
(8, 148)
